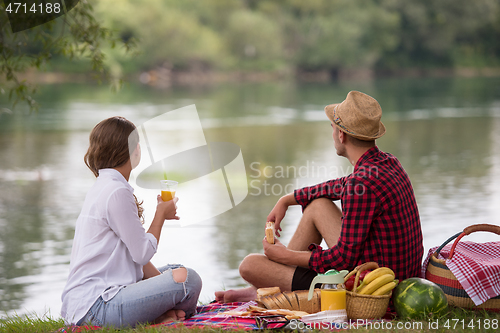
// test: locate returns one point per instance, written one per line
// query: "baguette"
(261, 292)
(270, 302)
(292, 299)
(284, 303)
(270, 232)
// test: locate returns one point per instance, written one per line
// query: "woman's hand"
(167, 209)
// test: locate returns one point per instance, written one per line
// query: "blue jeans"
(146, 300)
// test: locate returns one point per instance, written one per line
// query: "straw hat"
(358, 115)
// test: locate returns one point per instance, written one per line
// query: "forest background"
(165, 42)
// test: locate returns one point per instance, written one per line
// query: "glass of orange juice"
(168, 188)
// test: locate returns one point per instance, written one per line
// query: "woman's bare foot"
(168, 316)
(171, 315)
(236, 295)
(181, 315)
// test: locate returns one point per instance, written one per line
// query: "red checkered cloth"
(475, 265)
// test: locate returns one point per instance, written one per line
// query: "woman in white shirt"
(112, 281)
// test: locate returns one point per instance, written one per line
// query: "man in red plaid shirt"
(379, 220)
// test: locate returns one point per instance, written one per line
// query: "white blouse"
(110, 246)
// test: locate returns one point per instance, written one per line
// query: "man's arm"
(331, 189)
(279, 253)
(278, 212)
(360, 206)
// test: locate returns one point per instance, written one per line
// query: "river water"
(445, 132)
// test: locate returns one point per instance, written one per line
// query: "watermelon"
(417, 298)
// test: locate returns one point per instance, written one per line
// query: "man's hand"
(279, 253)
(276, 252)
(278, 212)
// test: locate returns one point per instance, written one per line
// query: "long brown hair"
(109, 147)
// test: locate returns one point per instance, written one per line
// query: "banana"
(361, 285)
(377, 273)
(375, 284)
(385, 289)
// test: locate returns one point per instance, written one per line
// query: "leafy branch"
(77, 34)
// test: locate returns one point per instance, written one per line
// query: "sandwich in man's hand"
(270, 232)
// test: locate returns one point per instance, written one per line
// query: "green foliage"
(169, 36)
(74, 35)
(348, 34)
(247, 42)
(437, 32)
(311, 35)
(252, 35)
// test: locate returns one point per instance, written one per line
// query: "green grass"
(15, 324)
(31, 324)
(456, 320)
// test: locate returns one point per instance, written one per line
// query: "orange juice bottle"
(332, 298)
(333, 294)
(167, 195)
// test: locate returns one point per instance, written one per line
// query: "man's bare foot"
(236, 295)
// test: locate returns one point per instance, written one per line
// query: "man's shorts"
(302, 278)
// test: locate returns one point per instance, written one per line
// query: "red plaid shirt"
(380, 219)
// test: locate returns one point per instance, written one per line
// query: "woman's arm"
(122, 217)
(149, 271)
(165, 210)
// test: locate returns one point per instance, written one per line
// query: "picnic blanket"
(475, 265)
(209, 315)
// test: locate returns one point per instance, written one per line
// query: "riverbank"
(163, 77)
(456, 319)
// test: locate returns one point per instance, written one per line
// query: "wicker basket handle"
(367, 265)
(362, 267)
(482, 227)
(467, 231)
(473, 228)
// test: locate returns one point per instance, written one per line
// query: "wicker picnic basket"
(365, 306)
(439, 273)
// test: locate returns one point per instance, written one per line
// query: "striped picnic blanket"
(475, 265)
(210, 316)
(207, 316)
